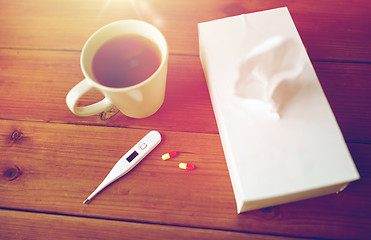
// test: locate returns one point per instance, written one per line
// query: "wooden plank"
(61, 164)
(348, 90)
(25, 225)
(330, 31)
(34, 85)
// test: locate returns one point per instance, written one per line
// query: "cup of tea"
(127, 62)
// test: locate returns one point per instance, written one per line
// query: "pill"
(186, 166)
(169, 155)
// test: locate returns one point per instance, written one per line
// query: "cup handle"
(77, 92)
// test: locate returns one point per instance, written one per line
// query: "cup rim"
(164, 56)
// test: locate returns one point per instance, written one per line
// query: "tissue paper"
(268, 71)
(257, 69)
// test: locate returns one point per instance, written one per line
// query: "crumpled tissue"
(268, 72)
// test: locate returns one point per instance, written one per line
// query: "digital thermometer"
(129, 160)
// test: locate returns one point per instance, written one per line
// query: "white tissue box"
(272, 161)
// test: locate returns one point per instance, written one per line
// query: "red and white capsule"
(169, 155)
(186, 166)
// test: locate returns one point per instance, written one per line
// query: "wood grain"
(329, 31)
(51, 160)
(24, 225)
(61, 165)
(40, 81)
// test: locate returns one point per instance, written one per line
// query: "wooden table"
(51, 160)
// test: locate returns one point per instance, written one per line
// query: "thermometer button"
(143, 145)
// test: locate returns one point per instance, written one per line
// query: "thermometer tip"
(84, 202)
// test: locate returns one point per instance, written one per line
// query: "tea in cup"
(127, 62)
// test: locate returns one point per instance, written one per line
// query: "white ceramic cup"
(136, 101)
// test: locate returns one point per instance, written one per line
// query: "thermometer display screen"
(132, 156)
